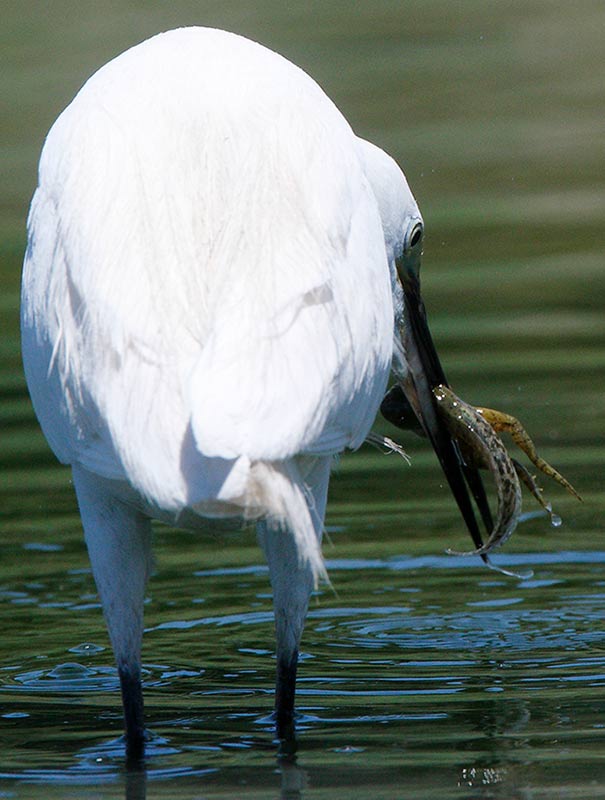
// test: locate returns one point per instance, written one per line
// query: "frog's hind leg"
(529, 480)
(501, 422)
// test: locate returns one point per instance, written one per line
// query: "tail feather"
(278, 487)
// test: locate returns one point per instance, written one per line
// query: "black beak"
(425, 372)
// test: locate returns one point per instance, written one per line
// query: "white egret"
(210, 303)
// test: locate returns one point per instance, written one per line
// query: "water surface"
(422, 675)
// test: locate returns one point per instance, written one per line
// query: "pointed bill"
(424, 373)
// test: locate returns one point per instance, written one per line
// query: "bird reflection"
(292, 778)
(136, 781)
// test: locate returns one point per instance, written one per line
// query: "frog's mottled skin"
(481, 446)
(476, 430)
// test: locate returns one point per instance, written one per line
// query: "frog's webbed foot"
(505, 423)
(530, 481)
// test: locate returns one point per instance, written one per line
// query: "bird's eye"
(414, 236)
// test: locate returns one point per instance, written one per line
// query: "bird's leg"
(118, 538)
(292, 580)
(285, 690)
(132, 703)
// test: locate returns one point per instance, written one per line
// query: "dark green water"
(423, 675)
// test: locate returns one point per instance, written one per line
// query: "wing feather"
(206, 270)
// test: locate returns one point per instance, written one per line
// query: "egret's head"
(416, 364)
(400, 217)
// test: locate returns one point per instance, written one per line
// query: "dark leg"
(292, 579)
(132, 701)
(118, 539)
(292, 582)
(285, 688)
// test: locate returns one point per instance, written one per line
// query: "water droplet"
(555, 521)
(69, 672)
(86, 649)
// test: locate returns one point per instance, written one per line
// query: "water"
(423, 675)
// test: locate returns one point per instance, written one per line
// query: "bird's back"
(206, 276)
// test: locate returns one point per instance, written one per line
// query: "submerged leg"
(292, 580)
(118, 538)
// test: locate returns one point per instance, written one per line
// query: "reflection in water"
(289, 780)
(450, 677)
(136, 782)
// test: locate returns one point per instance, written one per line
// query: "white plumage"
(209, 300)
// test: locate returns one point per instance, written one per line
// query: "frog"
(477, 430)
